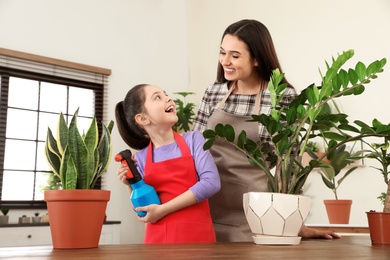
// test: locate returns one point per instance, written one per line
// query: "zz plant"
(291, 126)
(78, 160)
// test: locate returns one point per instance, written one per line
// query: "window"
(33, 94)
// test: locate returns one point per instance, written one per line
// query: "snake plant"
(78, 160)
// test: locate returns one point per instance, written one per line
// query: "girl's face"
(236, 60)
(159, 108)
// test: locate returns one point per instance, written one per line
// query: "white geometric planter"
(276, 218)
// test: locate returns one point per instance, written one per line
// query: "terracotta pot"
(338, 211)
(76, 217)
(379, 226)
(276, 218)
(306, 158)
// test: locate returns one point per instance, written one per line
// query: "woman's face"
(159, 108)
(235, 59)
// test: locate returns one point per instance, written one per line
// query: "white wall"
(140, 41)
(175, 44)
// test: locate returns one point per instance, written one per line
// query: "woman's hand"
(306, 232)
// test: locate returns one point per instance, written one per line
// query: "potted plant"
(79, 160)
(36, 218)
(185, 112)
(379, 222)
(4, 218)
(291, 126)
(338, 210)
(24, 219)
(311, 148)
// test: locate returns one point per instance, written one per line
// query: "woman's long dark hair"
(260, 46)
(132, 134)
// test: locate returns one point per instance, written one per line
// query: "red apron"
(171, 178)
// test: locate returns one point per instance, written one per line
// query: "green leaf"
(373, 68)
(62, 134)
(344, 78)
(312, 96)
(334, 136)
(219, 129)
(283, 145)
(346, 175)
(79, 153)
(208, 133)
(353, 77)
(104, 153)
(328, 184)
(330, 74)
(347, 127)
(91, 142)
(361, 71)
(71, 174)
(241, 139)
(64, 167)
(209, 143)
(291, 116)
(228, 133)
(358, 90)
(52, 154)
(361, 123)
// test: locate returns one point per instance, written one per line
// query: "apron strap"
(257, 101)
(185, 151)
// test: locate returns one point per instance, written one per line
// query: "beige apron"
(237, 176)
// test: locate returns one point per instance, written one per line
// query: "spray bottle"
(142, 194)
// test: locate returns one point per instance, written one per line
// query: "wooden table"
(342, 228)
(349, 247)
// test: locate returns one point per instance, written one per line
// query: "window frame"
(98, 86)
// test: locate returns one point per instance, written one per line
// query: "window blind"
(53, 67)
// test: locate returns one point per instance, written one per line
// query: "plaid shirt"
(236, 104)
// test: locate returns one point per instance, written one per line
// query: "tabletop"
(348, 247)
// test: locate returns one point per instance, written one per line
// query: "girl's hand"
(154, 213)
(122, 172)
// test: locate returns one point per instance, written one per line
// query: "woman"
(183, 174)
(246, 61)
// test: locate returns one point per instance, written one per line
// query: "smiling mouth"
(170, 109)
(228, 70)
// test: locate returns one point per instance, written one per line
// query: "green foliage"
(312, 146)
(339, 159)
(382, 198)
(292, 125)
(53, 182)
(4, 210)
(78, 160)
(185, 112)
(381, 153)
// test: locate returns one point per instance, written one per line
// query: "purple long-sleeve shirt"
(208, 178)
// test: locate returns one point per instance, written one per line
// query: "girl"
(183, 174)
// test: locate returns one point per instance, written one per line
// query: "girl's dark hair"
(132, 134)
(260, 46)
